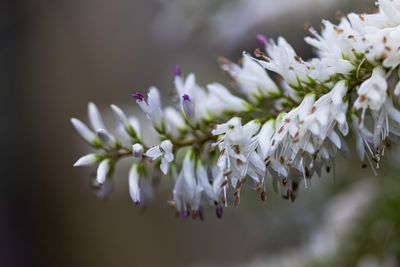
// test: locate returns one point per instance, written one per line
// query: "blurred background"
(56, 56)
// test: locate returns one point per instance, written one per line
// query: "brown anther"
(282, 160)
(238, 185)
(280, 129)
(259, 188)
(267, 162)
(387, 48)
(227, 173)
(258, 53)
(384, 39)
(224, 183)
(350, 36)
(313, 109)
(364, 166)
(237, 201)
(211, 149)
(287, 120)
(263, 196)
(338, 30)
(273, 142)
(298, 59)
(363, 97)
(362, 18)
(223, 200)
(236, 148)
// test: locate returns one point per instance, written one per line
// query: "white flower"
(107, 138)
(174, 121)
(130, 126)
(103, 171)
(334, 49)
(251, 78)
(188, 108)
(86, 160)
(134, 189)
(372, 92)
(164, 150)
(85, 132)
(200, 104)
(265, 138)
(284, 61)
(187, 192)
(152, 107)
(137, 150)
(95, 118)
(223, 100)
(238, 156)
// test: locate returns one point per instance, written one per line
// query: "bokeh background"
(56, 56)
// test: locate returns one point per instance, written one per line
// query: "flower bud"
(86, 160)
(188, 108)
(137, 150)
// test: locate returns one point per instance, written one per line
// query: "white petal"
(106, 137)
(154, 152)
(86, 160)
(95, 117)
(134, 189)
(338, 92)
(103, 171)
(164, 166)
(137, 150)
(334, 137)
(120, 115)
(83, 131)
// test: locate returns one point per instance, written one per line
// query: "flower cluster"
(287, 130)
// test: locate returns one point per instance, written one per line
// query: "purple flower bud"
(138, 96)
(186, 97)
(185, 214)
(177, 70)
(261, 39)
(219, 211)
(188, 108)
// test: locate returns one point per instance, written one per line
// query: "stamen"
(261, 40)
(138, 96)
(177, 70)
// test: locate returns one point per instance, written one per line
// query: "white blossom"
(252, 79)
(134, 189)
(152, 107)
(285, 129)
(163, 151)
(86, 160)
